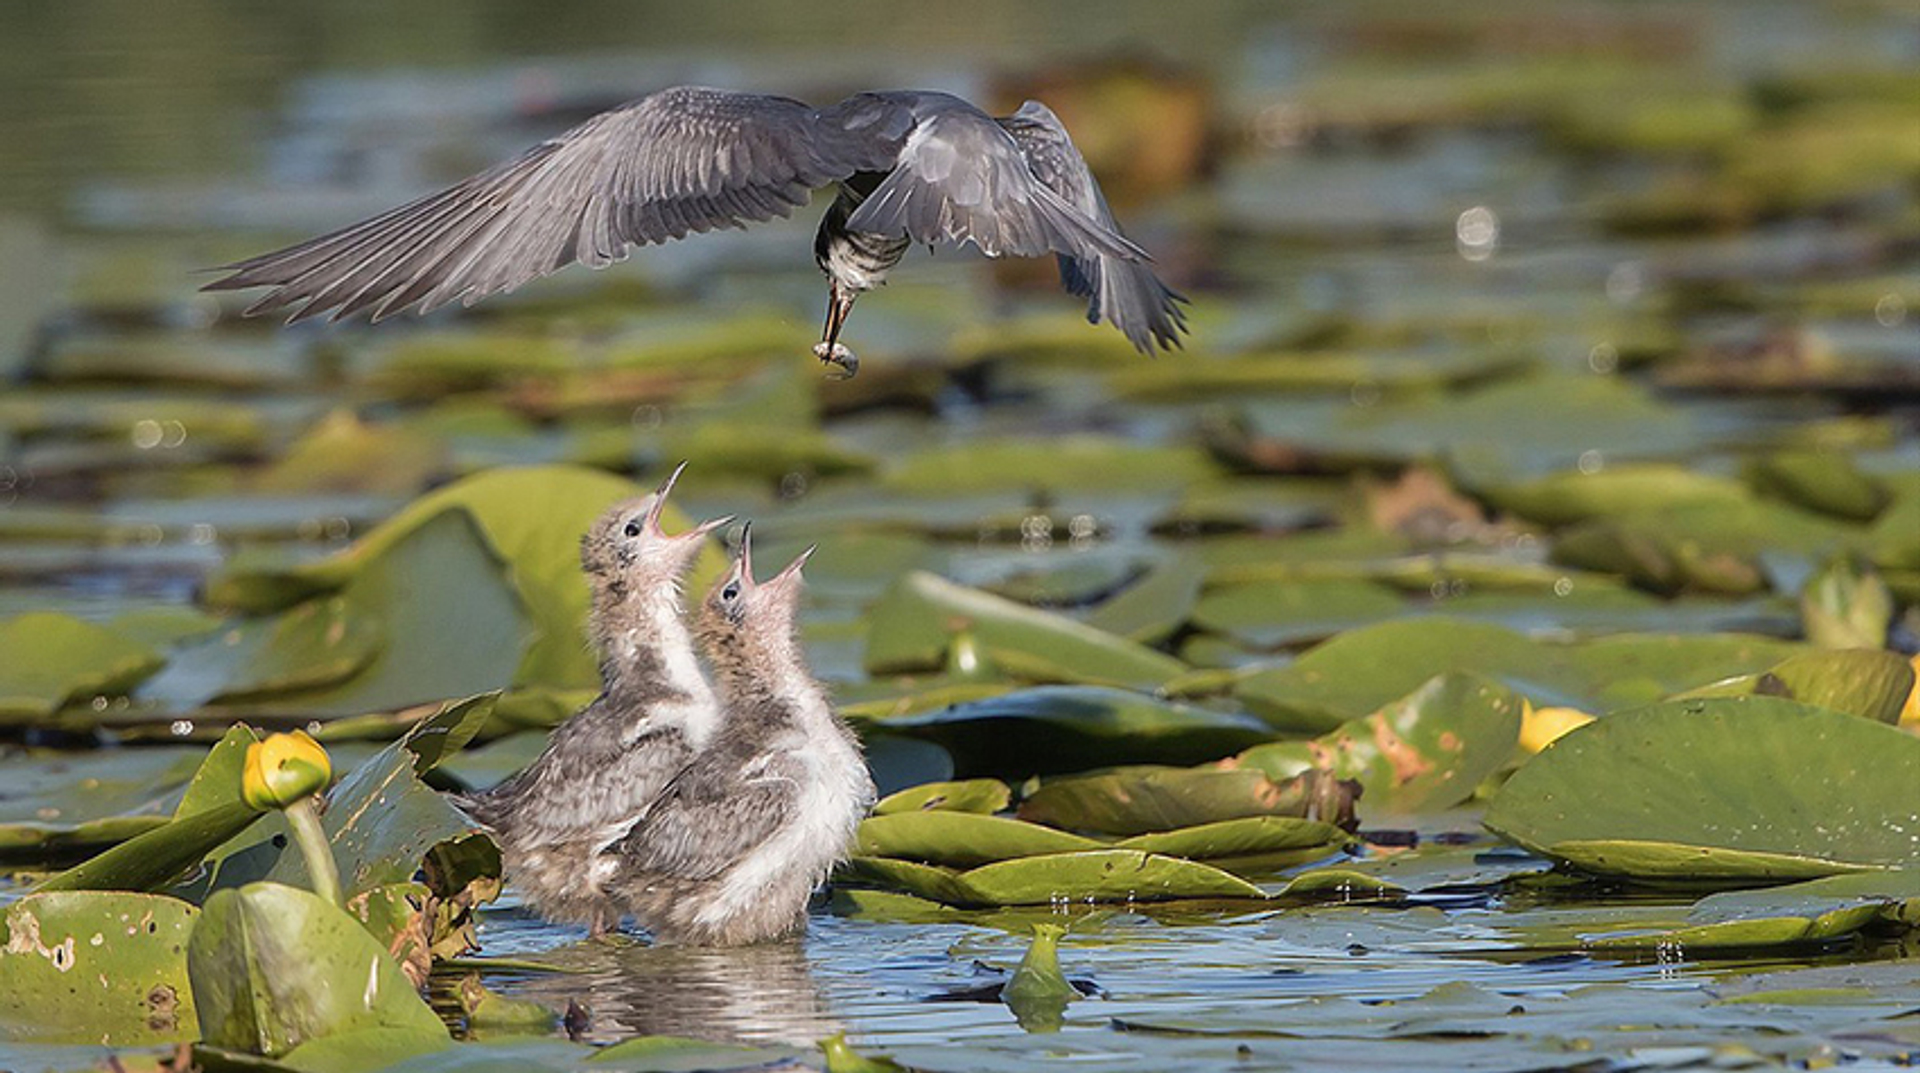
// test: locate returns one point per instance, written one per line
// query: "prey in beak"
(829, 349)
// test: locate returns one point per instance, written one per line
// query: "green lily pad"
(65, 802)
(984, 796)
(1135, 801)
(910, 628)
(1719, 789)
(1426, 751)
(530, 517)
(1362, 670)
(1273, 614)
(1053, 728)
(314, 644)
(1872, 685)
(54, 658)
(490, 1013)
(1705, 546)
(925, 881)
(1826, 482)
(1250, 836)
(210, 813)
(961, 839)
(1155, 607)
(436, 573)
(1813, 911)
(1072, 463)
(274, 967)
(1098, 875)
(1575, 496)
(1105, 875)
(382, 821)
(96, 967)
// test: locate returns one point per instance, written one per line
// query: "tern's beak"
(790, 576)
(660, 504)
(839, 305)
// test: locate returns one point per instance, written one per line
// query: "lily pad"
(382, 821)
(1054, 728)
(1251, 836)
(96, 967)
(1072, 463)
(530, 517)
(1274, 614)
(211, 812)
(984, 796)
(961, 839)
(59, 803)
(1100, 875)
(54, 658)
(1576, 496)
(1814, 911)
(274, 967)
(315, 644)
(1719, 789)
(438, 572)
(1360, 671)
(1426, 751)
(910, 628)
(1872, 685)
(1135, 801)
(1155, 607)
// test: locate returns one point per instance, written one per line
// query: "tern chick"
(607, 763)
(732, 851)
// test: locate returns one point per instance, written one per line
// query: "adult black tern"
(913, 167)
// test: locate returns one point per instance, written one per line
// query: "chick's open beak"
(659, 505)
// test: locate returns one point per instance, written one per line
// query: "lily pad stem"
(304, 819)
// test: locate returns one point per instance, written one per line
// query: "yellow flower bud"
(283, 769)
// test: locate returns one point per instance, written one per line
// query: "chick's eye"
(731, 592)
(633, 529)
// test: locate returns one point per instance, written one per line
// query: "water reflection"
(756, 994)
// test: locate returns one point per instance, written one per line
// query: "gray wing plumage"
(683, 160)
(1124, 292)
(595, 775)
(958, 177)
(701, 827)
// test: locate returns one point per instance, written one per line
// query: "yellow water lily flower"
(283, 769)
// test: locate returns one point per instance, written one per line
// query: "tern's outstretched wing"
(957, 176)
(683, 160)
(1123, 292)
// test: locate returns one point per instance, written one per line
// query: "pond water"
(1501, 246)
